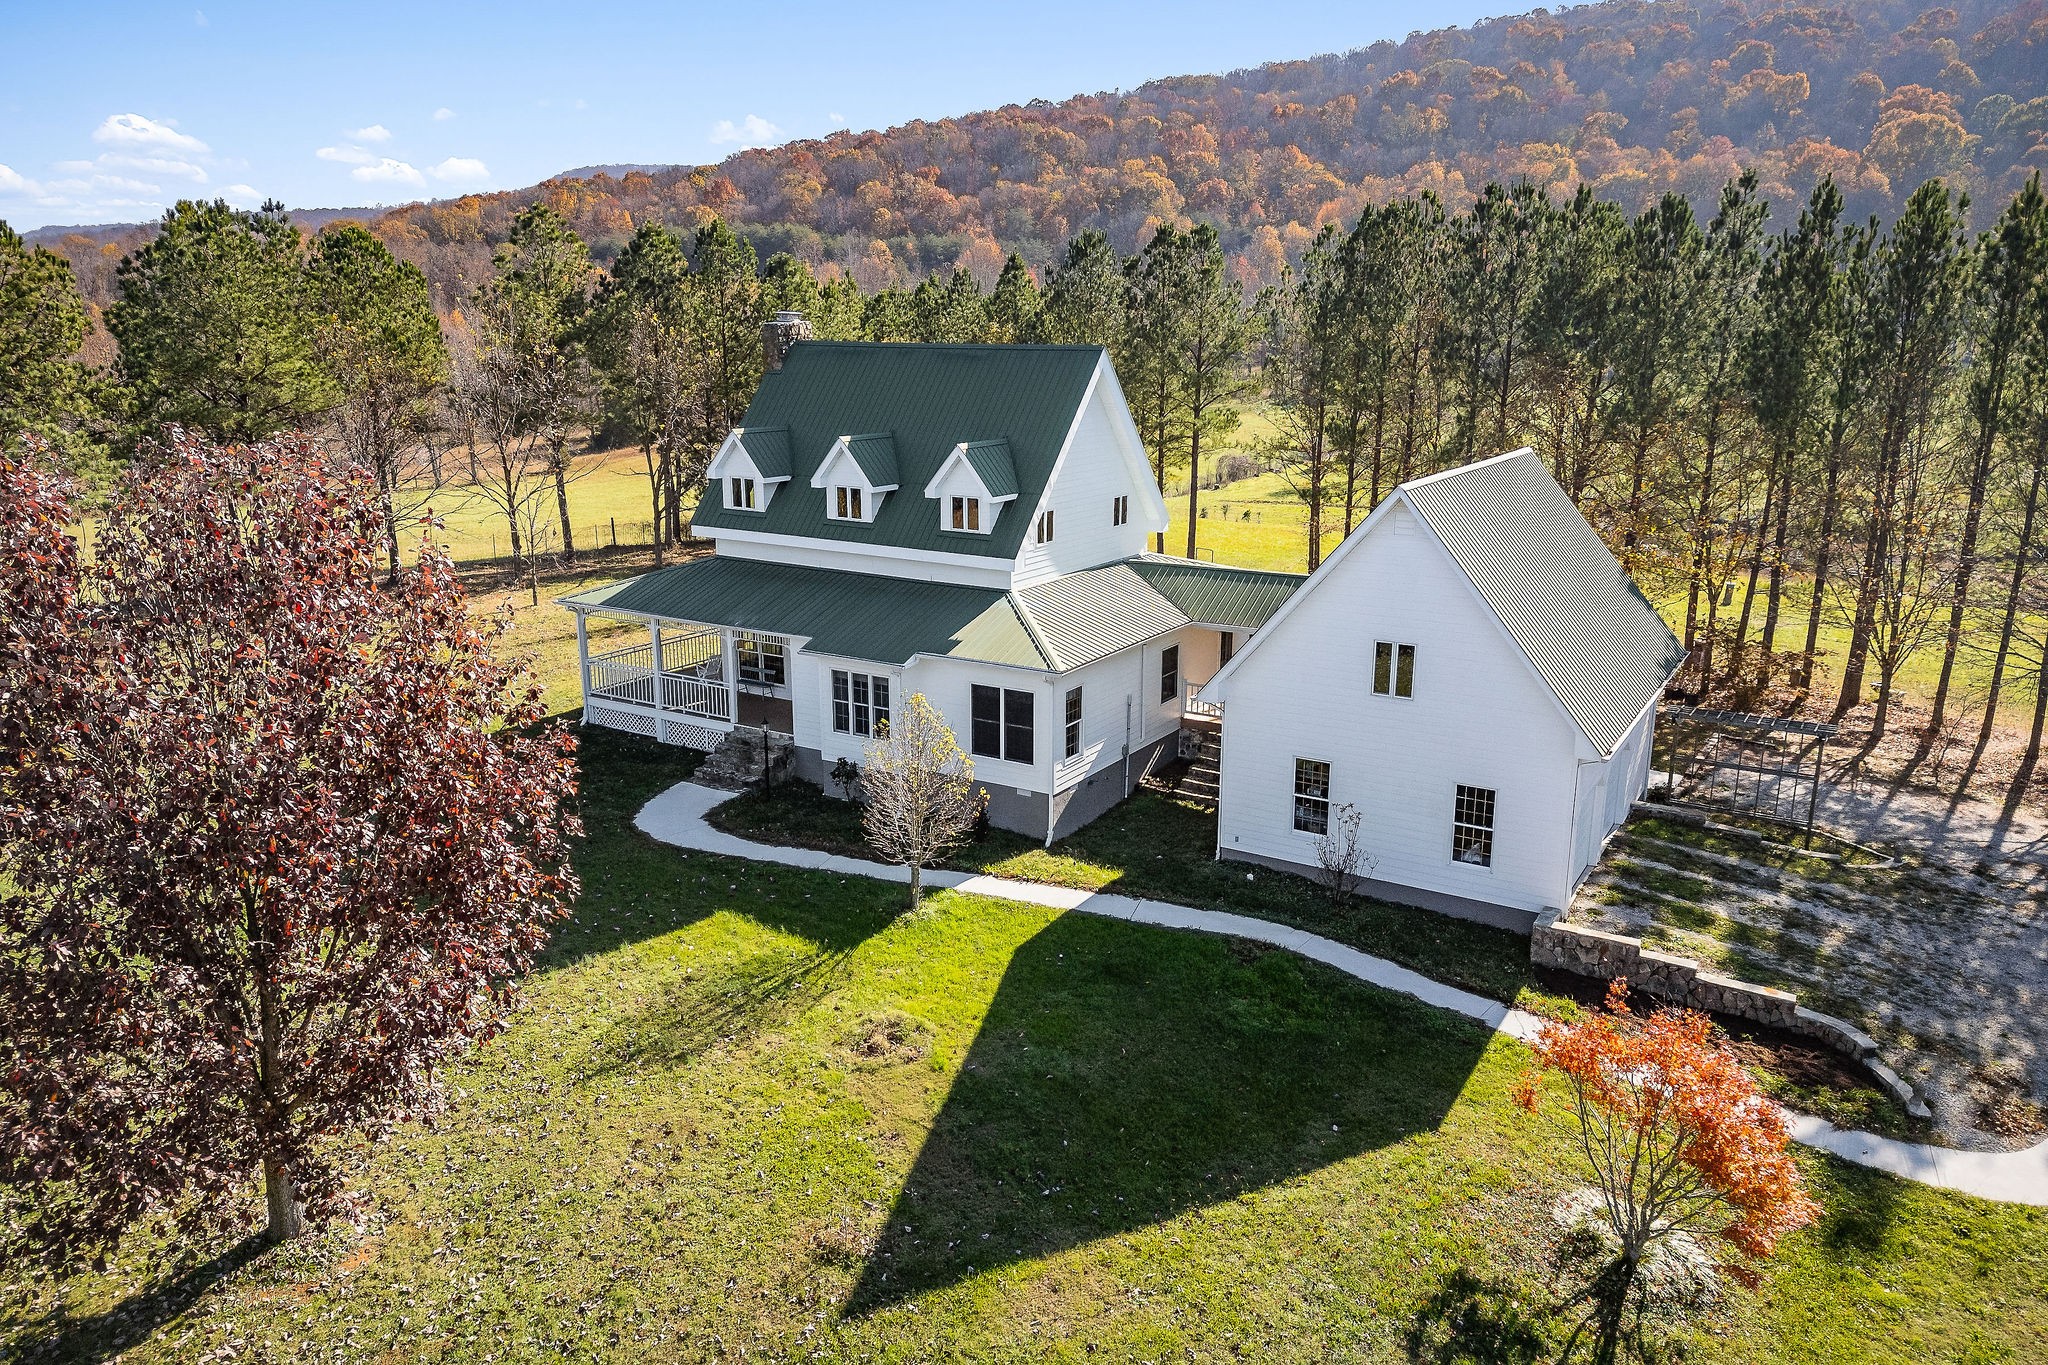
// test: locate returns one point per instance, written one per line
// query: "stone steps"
(736, 764)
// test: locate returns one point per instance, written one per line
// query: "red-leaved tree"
(1678, 1139)
(275, 838)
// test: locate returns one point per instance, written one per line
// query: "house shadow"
(1124, 1077)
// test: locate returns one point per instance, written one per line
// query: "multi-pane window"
(1393, 669)
(846, 502)
(1073, 721)
(1045, 526)
(1311, 796)
(1120, 510)
(967, 514)
(1226, 646)
(860, 703)
(1001, 724)
(739, 494)
(1472, 826)
(761, 660)
(1169, 673)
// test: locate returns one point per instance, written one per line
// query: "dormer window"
(855, 475)
(972, 486)
(751, 464)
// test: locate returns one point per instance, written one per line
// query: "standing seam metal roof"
(1590, 632)
(929, 399)
(768, 448)
(1218, 594)
(1058, 625)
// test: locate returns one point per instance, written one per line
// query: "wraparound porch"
(688, 683)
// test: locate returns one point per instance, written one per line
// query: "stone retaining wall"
(1681, 981)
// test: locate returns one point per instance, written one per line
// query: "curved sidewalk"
(677, 817)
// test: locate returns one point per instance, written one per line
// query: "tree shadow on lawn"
(122, 1327)
(1125, 1076)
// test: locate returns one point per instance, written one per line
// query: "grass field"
(754, 1113)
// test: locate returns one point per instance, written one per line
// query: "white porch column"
(654, 638)
(730, 649)
(583, 663)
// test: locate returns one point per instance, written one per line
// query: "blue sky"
(125, 107)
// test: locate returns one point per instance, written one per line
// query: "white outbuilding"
(1471, 673)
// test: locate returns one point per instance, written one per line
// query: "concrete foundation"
(1457, 907)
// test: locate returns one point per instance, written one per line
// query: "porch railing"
(1195, 706)
(692, 675)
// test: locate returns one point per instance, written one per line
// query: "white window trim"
(1492, 832)
(1329, 797)
(938, 491)
(732, 459)
(1393, 692)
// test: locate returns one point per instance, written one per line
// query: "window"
(986, 739)
(1120, 510)
(1001, 724)
(1073, 721)
(1472, 827)
(967, 514)
(860, 703)
(739, 495)
(1226, 646)
(761, 660)
(1311, 796)
(1393, 669)
(847, 500)
(1045, 526)
(1169, 673)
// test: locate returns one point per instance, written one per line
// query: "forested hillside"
(1633, 98)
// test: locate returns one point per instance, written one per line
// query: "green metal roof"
(1058, 625)
(990, 461)
(857, 616)
(1217, 594)
(929, 399)
(1081, 617)
(875, 453)
(768, 448)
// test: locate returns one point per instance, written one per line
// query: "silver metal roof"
(1582, 621)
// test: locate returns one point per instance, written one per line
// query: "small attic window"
(966, 514)
(740, 494)
(847, 504)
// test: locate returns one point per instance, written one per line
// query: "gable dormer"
(977, 480)
(855, 475)
(750, 467)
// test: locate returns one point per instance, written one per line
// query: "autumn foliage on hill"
(1632, 98)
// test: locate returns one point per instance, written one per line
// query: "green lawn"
(754, 1113)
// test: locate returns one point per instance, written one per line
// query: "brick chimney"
(778, 334)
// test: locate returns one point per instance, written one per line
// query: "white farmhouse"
(1473, 673)
(965, 522)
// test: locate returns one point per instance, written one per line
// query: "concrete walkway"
(677, 817)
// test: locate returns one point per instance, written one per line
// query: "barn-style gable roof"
(1591, 635)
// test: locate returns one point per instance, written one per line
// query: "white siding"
(1480, 716)
(964, 483)
(818, 554)
(1084, 488)
(811, 704)
(947, 684)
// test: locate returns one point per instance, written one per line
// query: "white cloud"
(156, 165)
(751, 131)
(347, 156)
(389, 172)
(836, 118)
(443, 114)
(11, 182)
(465, 169)
(199, 17)
(133, 130)
(242, 196)
(376, 132)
